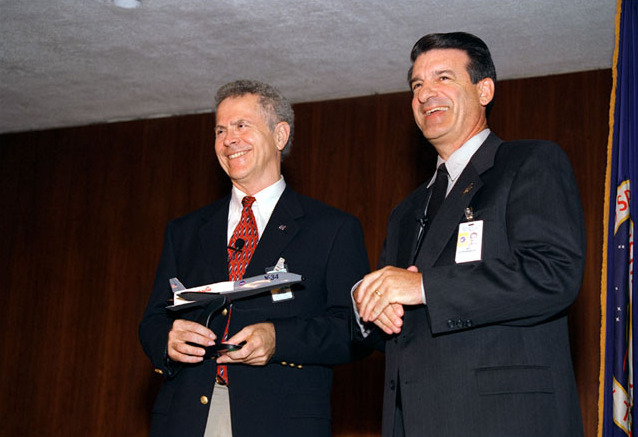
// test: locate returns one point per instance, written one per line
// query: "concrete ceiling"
(77, 62)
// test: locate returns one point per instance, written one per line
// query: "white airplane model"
(187, 297)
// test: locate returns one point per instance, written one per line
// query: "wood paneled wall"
(82, 225)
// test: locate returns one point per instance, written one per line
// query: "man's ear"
(282, 133)
(486, 91)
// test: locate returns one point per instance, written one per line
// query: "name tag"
(280, 294)
(470, 242)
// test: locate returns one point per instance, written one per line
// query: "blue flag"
(617, 339)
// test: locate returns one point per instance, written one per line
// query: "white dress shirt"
(457, 162)
(265, 203)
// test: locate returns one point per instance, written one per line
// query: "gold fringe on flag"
(603, 286)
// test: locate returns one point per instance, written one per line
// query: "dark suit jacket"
(489, 355)
(290, 396)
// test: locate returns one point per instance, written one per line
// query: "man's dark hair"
(275, 105)
(480, 65)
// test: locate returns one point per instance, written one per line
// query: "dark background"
(84, 209)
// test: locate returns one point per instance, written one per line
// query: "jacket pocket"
(514, 379)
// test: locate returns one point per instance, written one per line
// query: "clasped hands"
(257, 351)
(381, 295)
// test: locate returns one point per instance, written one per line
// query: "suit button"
(468, 323)
(203, 400)
(283, 363)
(459, 324)
(451, 324)
(225, 312)
(160, 371)
(299, 366)
(292, 364)
(393, 384)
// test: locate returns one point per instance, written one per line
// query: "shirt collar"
(265, 200)
(457, 162)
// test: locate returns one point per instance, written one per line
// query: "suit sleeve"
(537, 272)
(156, 323)
(325, 339)
(367, 334)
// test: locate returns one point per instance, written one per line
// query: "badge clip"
(469, 213)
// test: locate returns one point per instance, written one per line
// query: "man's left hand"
(383, 292)
(259, 347)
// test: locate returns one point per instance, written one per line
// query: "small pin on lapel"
(468, 188)
(469, 213)
(282, 227)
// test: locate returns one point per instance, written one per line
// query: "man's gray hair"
(275, 105)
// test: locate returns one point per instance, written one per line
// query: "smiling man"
(479, 267)
(278, 383)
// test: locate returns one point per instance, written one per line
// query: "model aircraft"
(229, 290)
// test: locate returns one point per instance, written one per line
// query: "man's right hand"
(184, 331)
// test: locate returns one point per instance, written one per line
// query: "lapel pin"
(468, 188)
(282, 227)
(469, 213)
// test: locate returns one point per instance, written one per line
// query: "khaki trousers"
(218, 423)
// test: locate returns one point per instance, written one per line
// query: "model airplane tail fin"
(176, 285)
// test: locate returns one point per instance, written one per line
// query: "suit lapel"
(410, 227)
(212, 237)
(447, 219)
(444, 226)
(280, 230)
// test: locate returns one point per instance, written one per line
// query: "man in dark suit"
(472, 298)
(279, 382)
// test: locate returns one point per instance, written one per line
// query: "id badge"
(280, 294)
(470, 242)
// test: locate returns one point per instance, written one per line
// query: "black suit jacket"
(290, 396)
(489, 355)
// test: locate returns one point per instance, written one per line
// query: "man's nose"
(424, 92)
(230, 137)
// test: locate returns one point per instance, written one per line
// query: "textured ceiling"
(76, 62)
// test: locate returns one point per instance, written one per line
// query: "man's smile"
(433, 110)
(237, 154)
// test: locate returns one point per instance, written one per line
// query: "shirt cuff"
(423, 294)
(364, 331)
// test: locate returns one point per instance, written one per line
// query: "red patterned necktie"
(239, 255)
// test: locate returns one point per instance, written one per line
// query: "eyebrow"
(448, 72)
(234, 123)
